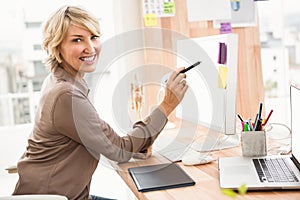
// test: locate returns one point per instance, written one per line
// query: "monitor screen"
(206, 102)
(295, 117)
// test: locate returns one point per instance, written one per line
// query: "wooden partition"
(250, 83)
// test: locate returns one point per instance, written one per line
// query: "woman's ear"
(58, 55)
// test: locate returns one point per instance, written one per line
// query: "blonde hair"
(57, 25)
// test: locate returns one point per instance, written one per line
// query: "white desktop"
(206, 103)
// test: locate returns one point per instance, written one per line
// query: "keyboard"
(274, 170)
(172, 151)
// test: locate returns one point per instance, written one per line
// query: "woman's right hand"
(176, 87)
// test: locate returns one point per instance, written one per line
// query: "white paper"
(245, 16)
(200, 10)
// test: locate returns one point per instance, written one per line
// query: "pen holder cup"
(254, 143)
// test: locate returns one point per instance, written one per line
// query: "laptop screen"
(295, 121)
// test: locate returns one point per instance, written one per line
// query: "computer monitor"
(205, 102)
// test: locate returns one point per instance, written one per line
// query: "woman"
(68, 136)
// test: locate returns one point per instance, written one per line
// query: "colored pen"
(255, 122)
(258, 125)
(190, 67)
(260, 110)
(240, 118)
(250, 125)
(270, 113)
(246, 127)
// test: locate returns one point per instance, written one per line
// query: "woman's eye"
(95, 37)
(77, 40)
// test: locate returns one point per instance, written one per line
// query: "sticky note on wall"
(225, 27)
(169, 8)
(222, 80)
(150, 19)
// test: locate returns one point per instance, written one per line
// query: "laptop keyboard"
(274, 170)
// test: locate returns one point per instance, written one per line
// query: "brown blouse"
(68, 138)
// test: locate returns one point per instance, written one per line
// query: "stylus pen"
(190, 67)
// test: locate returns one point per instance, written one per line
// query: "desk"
(206, 178)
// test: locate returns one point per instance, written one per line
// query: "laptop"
(268, 172)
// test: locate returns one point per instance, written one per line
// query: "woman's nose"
(89, 47)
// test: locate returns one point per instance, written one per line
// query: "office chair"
(34, 197)
(13, 169)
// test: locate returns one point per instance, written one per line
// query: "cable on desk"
(279, 148)
(270, 127)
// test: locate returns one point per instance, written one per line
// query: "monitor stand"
(216, 141)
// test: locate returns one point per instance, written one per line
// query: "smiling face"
(80, 50)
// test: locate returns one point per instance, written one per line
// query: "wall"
(250, 83)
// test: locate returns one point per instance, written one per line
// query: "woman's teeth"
(88, 59)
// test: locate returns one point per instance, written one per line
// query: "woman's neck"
(77, 74)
